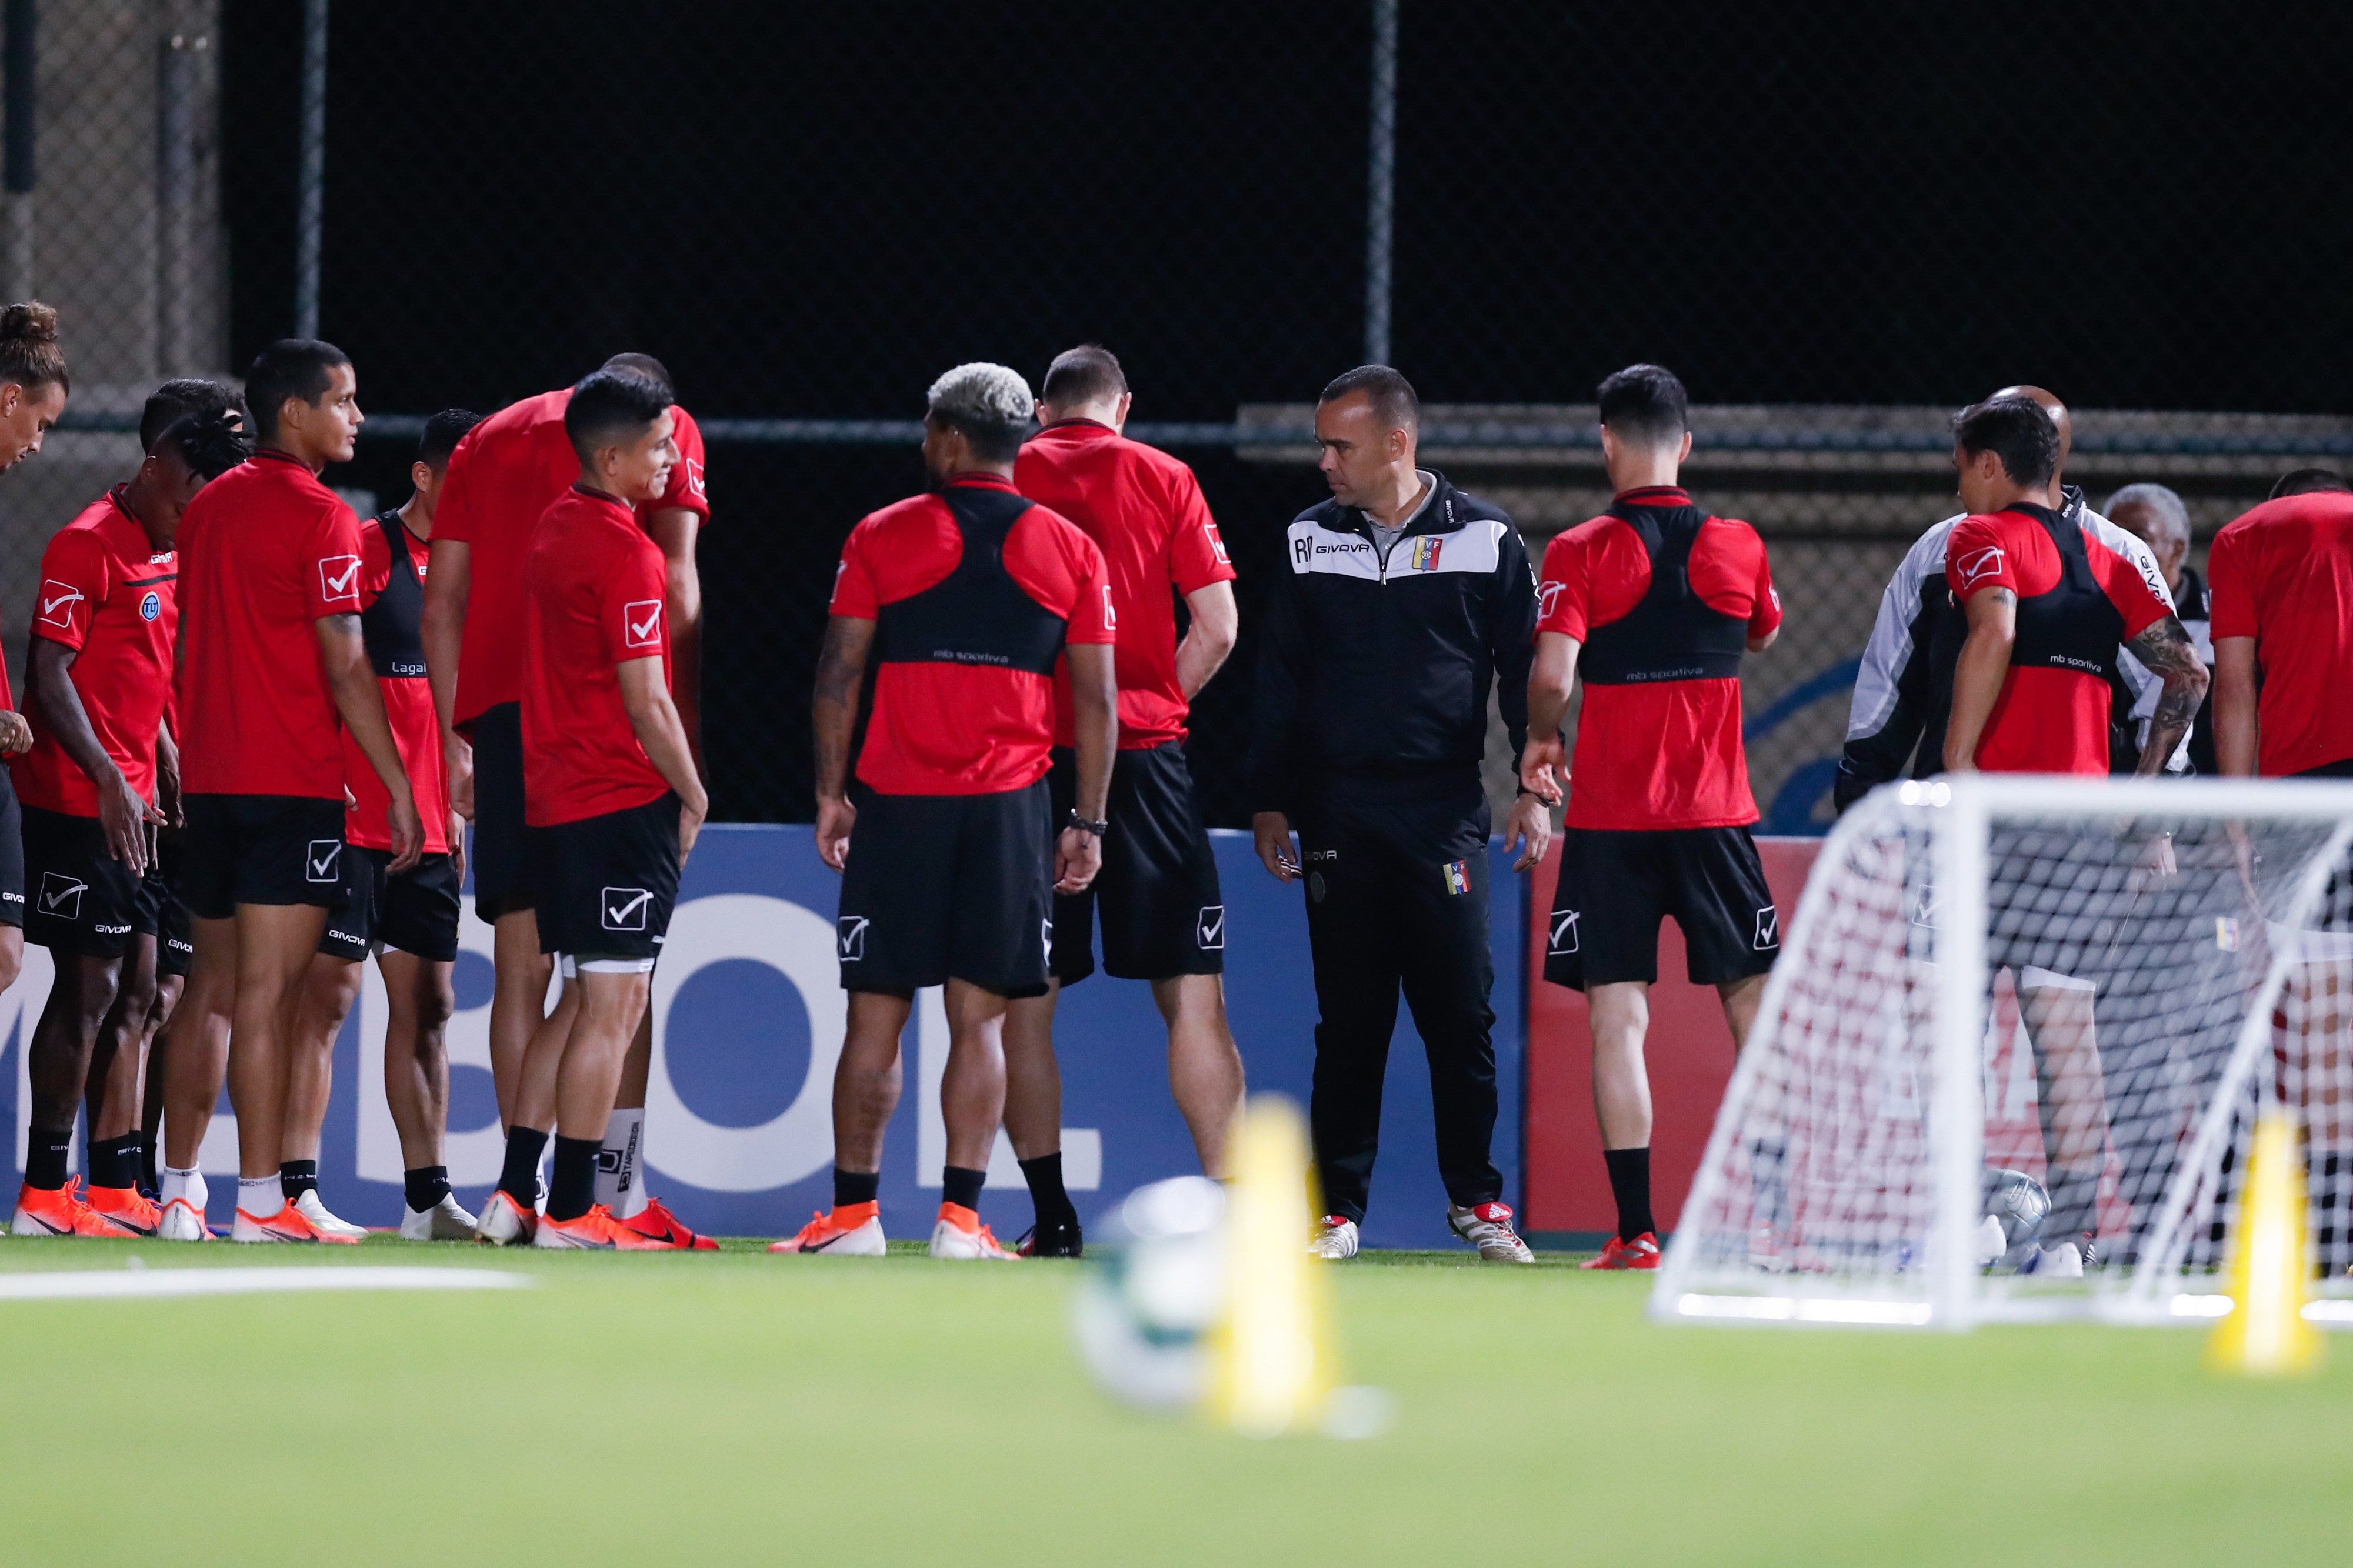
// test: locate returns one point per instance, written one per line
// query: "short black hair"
(645, 366)
(2305, 481)
(442, 433)
(1394, 403)
(2015, 429)
(612, 404)
(300, 368)
(211, 441)
(177, 398)
(1088, 374)
(1645, 403)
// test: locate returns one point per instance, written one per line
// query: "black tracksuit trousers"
(1396, 900)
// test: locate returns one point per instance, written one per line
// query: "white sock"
(261, 1197)
(620, 1166)
(188, 1184)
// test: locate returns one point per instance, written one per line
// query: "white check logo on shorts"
(1768, 929)
(339, 578)
(641, 623)
(625, 908)
(850, 935)
(1564, 931)
(319, 863)
(61, 895)
(1210, 931)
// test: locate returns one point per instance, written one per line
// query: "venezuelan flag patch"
(1458, 876)
(1425, 552)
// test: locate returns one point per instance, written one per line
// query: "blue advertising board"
(748, 1016)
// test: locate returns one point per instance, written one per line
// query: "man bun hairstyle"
(211, 441)
(2015, 429)
(612, 406)
(646, 366)
(300, 368)
(442, 433)
(1645, 404)
(1392, 396)
(181, 396)
(1088, 374)
(2307, 481)
(30, 354)
(989, 404)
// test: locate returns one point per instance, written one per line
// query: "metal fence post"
(314, 168)
(1381, 182)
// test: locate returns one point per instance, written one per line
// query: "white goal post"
(2008, 1062)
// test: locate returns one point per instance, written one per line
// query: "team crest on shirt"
(1425, 552)
(1458, 876)
(641, 623)
(151, 606)
(1983, 564)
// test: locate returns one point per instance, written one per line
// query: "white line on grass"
(70, 1283)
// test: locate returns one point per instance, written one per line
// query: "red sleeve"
(330, 567)
(854, 593)
(1766, 617)
(1564, 590)
(631, 607)
(453, 514)
(2141, 604)
(1977, 557)
(375, 564)
(685, 487)
(74, 582)
(1091, 616)
(1197, 556)
(2230, 597)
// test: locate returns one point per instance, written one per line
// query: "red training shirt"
(107, 592)
(409, 707)
(942, 728)
(265, 550)
(1664, 753)
(1145, 511)
(592, 602)
(2047, 719)
(506, 473)
(2283, 575)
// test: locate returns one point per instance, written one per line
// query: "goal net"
(2010, 1061)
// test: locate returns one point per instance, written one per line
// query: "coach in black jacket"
(1405, 600)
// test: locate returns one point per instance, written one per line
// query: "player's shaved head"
(1390, 394)
(2305, 481)
(2048, 401)
(1087, 374)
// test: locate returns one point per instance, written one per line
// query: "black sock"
(1629, 1184)
(959, 1186)
(114, 1161)
(424, 1186)
(149, 1182)
(296, 1178)
(45, 1158)
(855, 1186)
(520, 1177)
(1047, 1195)
(572, 1188)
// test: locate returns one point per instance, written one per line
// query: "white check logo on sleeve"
(641, 623)
(1984, 563)
(58, 602)
(339, 578)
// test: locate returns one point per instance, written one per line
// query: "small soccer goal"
(2009, 1064)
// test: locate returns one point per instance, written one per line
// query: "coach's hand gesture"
(1273, 831)
(835, 817)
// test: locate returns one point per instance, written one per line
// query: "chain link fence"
(1836, 223)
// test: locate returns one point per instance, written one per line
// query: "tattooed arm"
(2167, 652)
(840, 680)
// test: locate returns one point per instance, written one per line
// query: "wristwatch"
(1093, 830)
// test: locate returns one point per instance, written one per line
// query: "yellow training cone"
(2271, 1265)
(1271, 1355)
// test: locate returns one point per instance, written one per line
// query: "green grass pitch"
(737, 1407)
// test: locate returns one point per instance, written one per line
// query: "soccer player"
(271, 659)
(1406, 599)
(965, 597)
(2282, 578)
(503, 478)
(2047, 596)
(410, 920)
(99, 672)
(611, 797)
(2154, 515)
(1164, 919)
(1653, 602)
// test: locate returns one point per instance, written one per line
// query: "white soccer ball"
(2020, 1205)
(1152, 1287)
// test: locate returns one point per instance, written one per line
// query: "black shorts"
(12, 854)
(503, 869)
(942, 887)
(175, 947)
(415, 911)
(261, 849)
(81, 899)
(605, 886)
(1615, 888)
(1162, 912)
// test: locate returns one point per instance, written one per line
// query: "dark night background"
(811, 211)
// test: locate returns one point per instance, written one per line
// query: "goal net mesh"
(2011, 1053)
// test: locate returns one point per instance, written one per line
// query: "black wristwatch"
(1094, 829)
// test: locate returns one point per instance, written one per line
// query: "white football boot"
(316, 1211)
(960, 1236)
(445, 1221)
(1335, 1238)
(1488, 1228)
(505, 1221)
(182, 1222)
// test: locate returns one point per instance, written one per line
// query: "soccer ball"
(2020, 1205)
(1152, 1287)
